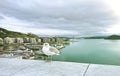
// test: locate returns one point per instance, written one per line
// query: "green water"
(98, 51)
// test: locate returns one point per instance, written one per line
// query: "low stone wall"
(9, 40)
(1, 41)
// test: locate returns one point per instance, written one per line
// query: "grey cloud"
(1, 17)
(78, 15)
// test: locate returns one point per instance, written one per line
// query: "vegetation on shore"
(6, 33)
(113, 37)
(95, 37)
(11, 37)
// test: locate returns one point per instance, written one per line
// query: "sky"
(61, 17)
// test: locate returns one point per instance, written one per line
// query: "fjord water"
(97, 51)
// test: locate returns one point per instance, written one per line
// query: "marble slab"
(103, 70)
(16, 67)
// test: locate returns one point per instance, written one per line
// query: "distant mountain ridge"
(96, 37)
(6, 33)
(113, 37)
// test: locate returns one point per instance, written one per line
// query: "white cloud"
(14, 24)
(86, 17)
(114, 5)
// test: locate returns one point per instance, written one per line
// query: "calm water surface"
(98, 51)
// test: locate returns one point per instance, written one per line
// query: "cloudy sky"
(61, 17)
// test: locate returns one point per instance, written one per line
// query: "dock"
(19, 67)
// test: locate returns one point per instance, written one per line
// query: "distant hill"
(95, 37)
(6, 33)
(113, 37)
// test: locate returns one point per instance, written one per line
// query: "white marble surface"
(12, 66)
(103, 70)
(15, 67)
